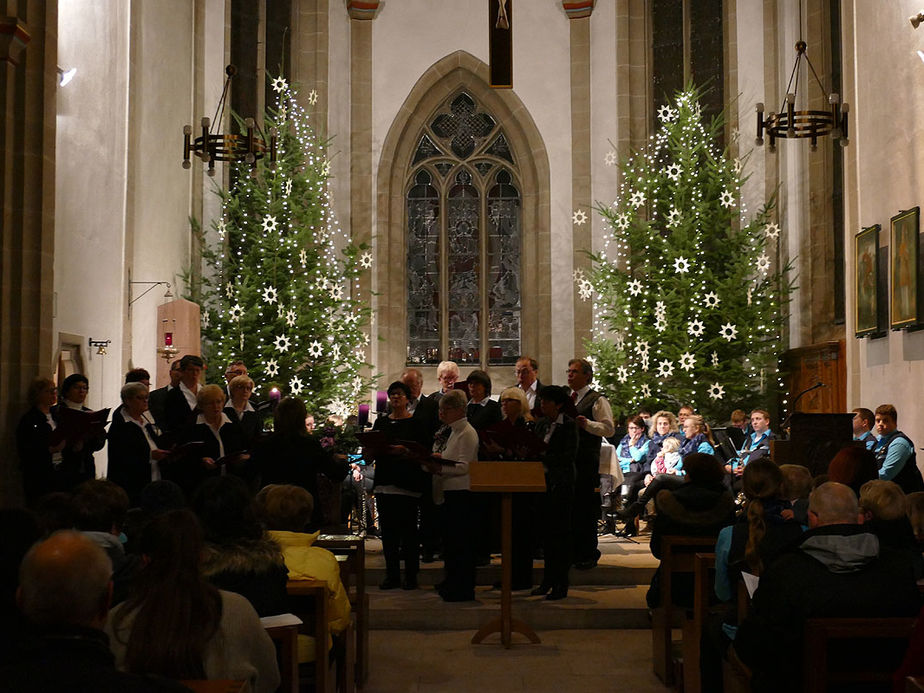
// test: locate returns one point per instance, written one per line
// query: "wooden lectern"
(506, 478)
(814, 439)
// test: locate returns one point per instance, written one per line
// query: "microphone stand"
(785, 425)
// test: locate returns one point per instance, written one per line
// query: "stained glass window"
(464, 241)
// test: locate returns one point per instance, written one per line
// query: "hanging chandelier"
(214, 146)
(789, 123)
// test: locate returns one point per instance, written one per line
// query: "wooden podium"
(814, 439)
(506, 478)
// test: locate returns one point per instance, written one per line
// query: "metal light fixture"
(916, 19)
(65, 76)
(167, 350)
(811, 124)
(214, 146)
(101, 345)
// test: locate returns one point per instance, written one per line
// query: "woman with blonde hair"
(664, 426)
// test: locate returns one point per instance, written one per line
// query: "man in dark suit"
(181, 400)
(157, 400)
(527, 370)
(420, 407)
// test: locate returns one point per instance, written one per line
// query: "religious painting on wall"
(903, 269)
(866, 244)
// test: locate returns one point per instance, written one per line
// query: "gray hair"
(447, 366)
(454, 399)
(65, 580)
(130, 390)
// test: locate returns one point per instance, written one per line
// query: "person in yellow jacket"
(285, 510)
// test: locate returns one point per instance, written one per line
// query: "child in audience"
(797, 485)
(883, 506)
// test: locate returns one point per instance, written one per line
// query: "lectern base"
(496, 625)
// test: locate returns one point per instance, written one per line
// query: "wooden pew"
(677, 558)
(822, 633)
(308, 601)
(283, 631)
(216, 686)
(350, 550)
(703, 606)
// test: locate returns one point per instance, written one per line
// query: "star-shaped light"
(361, 355)
(660, 309)
(715, 358)
(335, 352)
(366, 260)
(711, 299)
(236, 312)
(622, 374)
(728, 331)
(269, 223)
(660, 324)
(336, 292)
(644, 361)
(313, 97)
(666, 114)
(205, 319)
(282, 343)
(610, 159)
(222, 228)
(271, 367)
(681, 265)
(296, 385)
(325, 169)
(763, 263)
(321, 283)
(750, 295)
(673, 217)
(645, 390)
(737, 165)
(727, 199)
(578, 275)
(280, 310)
(687, 361)
(585, 290)
(696, 328)
(716, 391)
(279, 85)
(637, 199)
(229, 290)
(622, 221)
(579, 217)
(641, 348)
(734, 134)
(315, 349)
(339, 408)
(303, 257)
(772, 230)
(269, 294)
(287, 188)
(291, 317)
(634, 287)
(673, 172)
(665, 369)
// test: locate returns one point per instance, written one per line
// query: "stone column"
(28, 81)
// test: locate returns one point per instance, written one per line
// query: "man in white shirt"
(181, 400)
(527, 371)
(595, 422)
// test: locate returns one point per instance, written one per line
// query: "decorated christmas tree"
(687, 301)
(280, 287)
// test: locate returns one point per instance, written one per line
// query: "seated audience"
(176, 624)
(863, 422)
(285, 511)
(797, 485)
(134, 443)
(157, 498)
(664, 426)
(914, 503)
(632, 453)
(837, 569)
(55, 511)
(853, 466)
(238, 556)
(699, 507)
(19, 530)
(100, 507)
(883, 506)
(64, 594)
(895, 452)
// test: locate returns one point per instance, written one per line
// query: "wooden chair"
(285, 637)
(350, 550)
(703, 607)
(677, 558)
(821, 634)
(308, 601)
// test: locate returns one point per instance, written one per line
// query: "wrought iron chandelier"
(789, 123)
(214, 146)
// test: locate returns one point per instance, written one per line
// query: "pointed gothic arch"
(461, 72)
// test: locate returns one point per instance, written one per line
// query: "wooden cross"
(500, 43)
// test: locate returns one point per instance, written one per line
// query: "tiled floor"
(567, 660)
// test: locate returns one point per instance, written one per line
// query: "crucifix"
(500, 43)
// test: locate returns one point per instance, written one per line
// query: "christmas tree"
(687, 303)
(280, 287)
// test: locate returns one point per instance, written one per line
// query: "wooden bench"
(216, 686)
(703, 606)
(308, 601)
(677, 558)
(350, 550)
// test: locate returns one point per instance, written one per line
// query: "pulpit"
(506, 478)
(814, 439)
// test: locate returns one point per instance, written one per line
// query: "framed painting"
(903, 270)
(866, 245)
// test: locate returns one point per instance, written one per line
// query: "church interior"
(100, 215)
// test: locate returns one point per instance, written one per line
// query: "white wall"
(885, 88)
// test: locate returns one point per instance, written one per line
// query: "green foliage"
(688, 306)
(280, 289)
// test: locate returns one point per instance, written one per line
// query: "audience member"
(19, 529)
(176, 624)
(838, 569)
(665, 426)
(286, 510)
(895, 452)
(797, 485)
(853, 466)
(55, 511)
(156, 498)
(100, 507)
(699, 507)
(863, 422)
(883, 506)
(289, 455)
(914, 503)
(685, 411)
(595, 422)
(632, 453)
(238, 557)
(65, 593)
